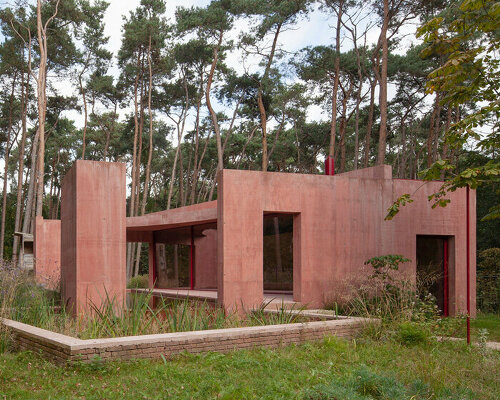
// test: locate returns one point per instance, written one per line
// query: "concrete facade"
(47, 252)
(338, 224)
(93, 234)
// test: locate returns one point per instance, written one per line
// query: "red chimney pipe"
(329, 166)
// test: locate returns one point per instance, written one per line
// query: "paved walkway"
(490, 345)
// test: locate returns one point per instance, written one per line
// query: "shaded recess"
(278, 252)
(432, 268)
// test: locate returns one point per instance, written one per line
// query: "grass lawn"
(332, 369)
(491, 322)
(457, 327)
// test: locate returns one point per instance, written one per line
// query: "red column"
(191, 260)
(445, 265)
(468, 264)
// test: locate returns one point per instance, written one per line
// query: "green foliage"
(488, 280)
(138, 282)
(394, 208)
(469, 43)
(410, 333)
(389, 295)
(383, 265)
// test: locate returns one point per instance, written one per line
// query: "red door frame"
(446, 299)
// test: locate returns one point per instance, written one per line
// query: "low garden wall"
(62, 349)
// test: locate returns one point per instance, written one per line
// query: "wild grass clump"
(282, 315)
(388, 294)
(21, 299)
(407, 310)
(365, 384)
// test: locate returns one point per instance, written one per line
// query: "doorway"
(278, 253)
(433, 269)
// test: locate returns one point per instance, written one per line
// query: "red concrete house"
(328, 227)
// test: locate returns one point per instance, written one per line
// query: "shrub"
(388, 295)
(409, 333)
(138, 282)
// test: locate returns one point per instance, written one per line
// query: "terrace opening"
(173, 265)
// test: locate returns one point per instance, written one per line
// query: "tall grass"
(388, 294)
(282, 315)
(147, 314)
(21, 299)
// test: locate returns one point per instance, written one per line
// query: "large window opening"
(433, 269)
(173, 266)
(278, 253)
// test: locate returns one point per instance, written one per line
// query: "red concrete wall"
(47, 252)
(93, 234)
(205, 265)
(338, 224)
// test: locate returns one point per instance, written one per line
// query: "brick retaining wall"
(61, 349)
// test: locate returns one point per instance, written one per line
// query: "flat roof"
(196, 214)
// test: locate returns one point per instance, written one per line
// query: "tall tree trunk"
(137, 191)
(150, 152)
(343, 125)
(260, 100)
(213, 115)
(51, 185)
(42, 99)
(6, 168)
(194, 182)
(446, 129)
(383, 87)
(358, 102)
(444, 155)
(432, 134)
(30, 197)
(402, 165)
(130, 246)
(333, 123)
(85, 116)
(20, 171)
(369, 125)
(180, 132)
(181, 176)
(437, 131)
(140, 139)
